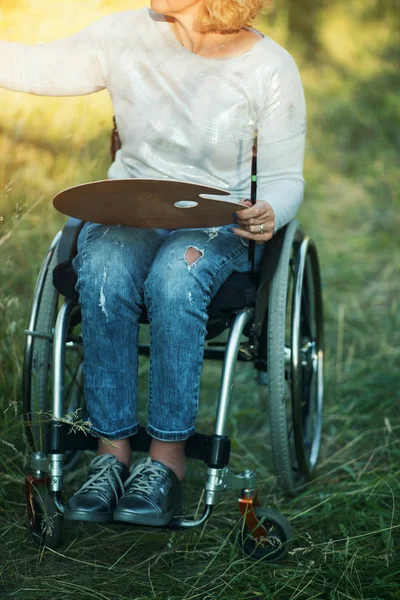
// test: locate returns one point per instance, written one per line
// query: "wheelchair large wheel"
(295, 361)
(37, 377)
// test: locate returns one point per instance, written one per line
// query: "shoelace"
(101, 478)
(143, 477)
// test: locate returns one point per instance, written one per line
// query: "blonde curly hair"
(228, 16)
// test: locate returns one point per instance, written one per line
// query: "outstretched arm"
(72, 66)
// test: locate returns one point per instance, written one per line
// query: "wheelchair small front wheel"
(44, 520)
(274, 547)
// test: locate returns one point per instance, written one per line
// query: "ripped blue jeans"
(120, 270)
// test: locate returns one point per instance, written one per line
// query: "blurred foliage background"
(347, 520)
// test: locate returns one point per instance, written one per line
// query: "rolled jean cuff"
(120, 434)
(169, 436)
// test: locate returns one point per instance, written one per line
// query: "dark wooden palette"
(149, 203)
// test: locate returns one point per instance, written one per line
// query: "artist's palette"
(149, 203)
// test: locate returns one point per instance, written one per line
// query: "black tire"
(295, 361)
(38, 362)
(37, 402)
(275, 548)
(45, 527)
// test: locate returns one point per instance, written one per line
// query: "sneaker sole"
(80, 515)
(126, 516)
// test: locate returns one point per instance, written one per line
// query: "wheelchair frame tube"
(56, 455)
(228, 369)
(59, 349)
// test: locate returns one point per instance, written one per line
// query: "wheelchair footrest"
(213, 450)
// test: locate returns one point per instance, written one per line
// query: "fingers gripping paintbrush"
(253, 196)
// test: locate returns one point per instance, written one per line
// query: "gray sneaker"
(153, 496)
(96, 500)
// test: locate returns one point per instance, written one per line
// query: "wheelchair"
(273, 320)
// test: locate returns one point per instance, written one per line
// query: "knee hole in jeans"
(192, 255)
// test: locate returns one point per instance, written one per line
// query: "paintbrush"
(253, 196)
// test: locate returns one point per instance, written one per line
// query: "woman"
(190, 80)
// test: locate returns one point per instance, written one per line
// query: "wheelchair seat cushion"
(238, 291)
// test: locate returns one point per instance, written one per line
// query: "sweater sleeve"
(72, 66)
(281, 143)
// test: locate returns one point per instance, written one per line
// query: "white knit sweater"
(180, 115)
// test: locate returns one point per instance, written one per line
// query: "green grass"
(346, 521)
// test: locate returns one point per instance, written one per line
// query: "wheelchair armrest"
(67, 246)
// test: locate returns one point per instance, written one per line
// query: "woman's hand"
(257, 223)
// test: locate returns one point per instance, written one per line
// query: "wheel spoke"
(73, 379)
